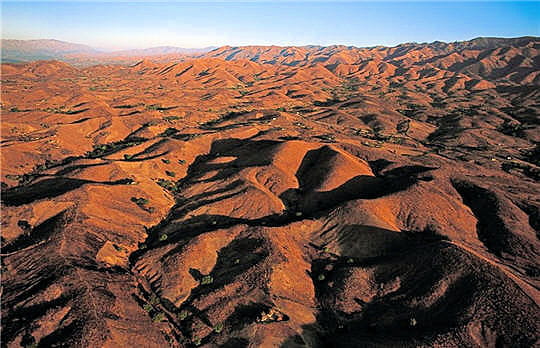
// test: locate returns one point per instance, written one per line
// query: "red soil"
(271, 196)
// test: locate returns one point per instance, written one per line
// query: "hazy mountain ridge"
(31, 50)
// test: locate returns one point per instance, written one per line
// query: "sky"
(125, 25)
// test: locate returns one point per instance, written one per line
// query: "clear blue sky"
(123, 25)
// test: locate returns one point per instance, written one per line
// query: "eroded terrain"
(270, 196)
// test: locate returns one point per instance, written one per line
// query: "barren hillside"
(275, 197)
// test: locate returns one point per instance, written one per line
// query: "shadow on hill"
(422, 291)
(48, 188)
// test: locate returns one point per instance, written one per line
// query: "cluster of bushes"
(106, 149)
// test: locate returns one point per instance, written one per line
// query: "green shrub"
(183, 315)
(171, 118)
(154, 299)
(207, 280)
(167, 185)
(170, 173)
(158, 317)
(140, 201)
(218, 328)
(163, 237)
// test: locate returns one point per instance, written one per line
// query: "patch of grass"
(154, 300)
(139, 201)
(171, 118)
(166, 161)
(152, 107)
(170, 173)
(167, 185)
(128, 156)
(142, 203)
(327, 138)
(63, 110)
(183, 314)
(158, 317)
(106, 149)
(157, 107)
(218, 328)
(207, 279)
(148, 307)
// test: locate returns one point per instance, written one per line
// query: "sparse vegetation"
(171, 118)
(63, 110)
(158, 317)
(512, 128)
(218, 328)
(139, 201)
(168, 185)
(106, 149)
(207, 279)
(157, 107)
(126, 106)
(225, 117)
(183, 315)
(142, 203)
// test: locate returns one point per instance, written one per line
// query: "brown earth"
(275, 196)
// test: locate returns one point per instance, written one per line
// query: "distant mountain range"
(30, 50)
(14, 51)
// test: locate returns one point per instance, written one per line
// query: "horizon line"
(213, 47)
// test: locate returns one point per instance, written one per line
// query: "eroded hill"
(263, 196)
